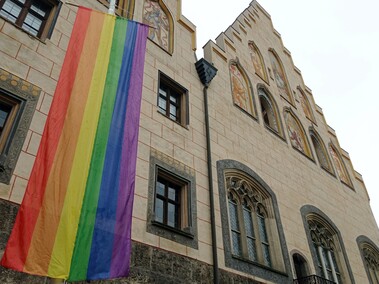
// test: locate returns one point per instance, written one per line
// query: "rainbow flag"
(75, 220)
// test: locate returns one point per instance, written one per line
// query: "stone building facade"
(284, 201)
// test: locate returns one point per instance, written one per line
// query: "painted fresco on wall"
(257, 62)
(296, 135)
(339, 166)
(305, 106)
(154, 16)
(280, 77)
(240, 91)
(320, 152)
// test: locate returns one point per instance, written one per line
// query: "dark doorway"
(301, 267)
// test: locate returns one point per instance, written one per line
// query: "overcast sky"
(335, 44)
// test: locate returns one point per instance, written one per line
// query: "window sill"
(186, 232)
(302, 153)
(174, 121)
(245, 112)
(276, 133)
(22, 30)
(239, 258)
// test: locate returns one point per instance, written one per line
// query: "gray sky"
(335, 44)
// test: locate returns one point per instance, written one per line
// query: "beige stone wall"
(184, 144)
(295, 179)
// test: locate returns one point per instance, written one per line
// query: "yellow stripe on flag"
(66, 235)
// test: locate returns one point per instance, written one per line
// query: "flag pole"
(112, 7)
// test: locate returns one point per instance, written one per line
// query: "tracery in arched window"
(248, 220)
(371, 257)
(326, 251)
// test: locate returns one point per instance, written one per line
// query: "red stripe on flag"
(19, 242)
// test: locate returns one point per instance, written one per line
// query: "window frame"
(316, 139)
(310, 212)
(180, 187)
(25, 95)
(173, 89)
(172, 170)
(125, 8)
(280, 272)
(48, 21)
(367, 246)
(264, 94)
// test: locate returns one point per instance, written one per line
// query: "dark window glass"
(169, 102)
(5, 111)
(167, 202)
(236, 235)
(172, 100)
(30, 15)
(249, 227)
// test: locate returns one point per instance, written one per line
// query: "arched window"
(248, 219)
(156, 15)
(296, 133)
(269, 110)
(257, 60)
(305, 105)
(321, 153)
(253, 239)
(370, 256)
(328, 251)
(325, 249)
(241, 91)
(339, 165)
(280, 76)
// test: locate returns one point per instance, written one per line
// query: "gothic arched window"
(370, 256)
(325, 249)
(248, 217)
(252, 233)
(270, 112)
(326, 246)
(156, 15)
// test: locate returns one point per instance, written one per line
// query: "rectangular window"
(172, 100)
(172, 206)
(36, 17)
(124, 8)
(9, 113)
(171, 200)
(18, 100)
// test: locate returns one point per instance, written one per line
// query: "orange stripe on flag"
(48, 221)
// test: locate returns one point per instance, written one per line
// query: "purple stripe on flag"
(122, 239)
